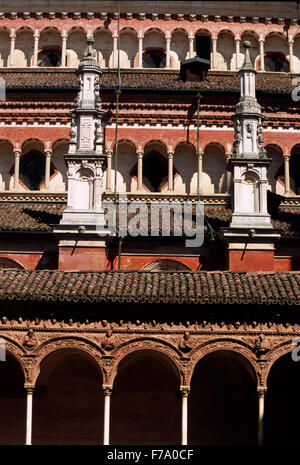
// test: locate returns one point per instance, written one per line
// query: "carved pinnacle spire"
(247, 62)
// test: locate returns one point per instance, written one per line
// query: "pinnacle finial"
(247, 62)
(90, 52)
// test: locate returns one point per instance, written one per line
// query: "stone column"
(168, 46)
(191, 46)
(261, 411)
(17, 153)
(140, 53)
(214, 53)
(140, 154)
(184, 417)
(29, 416)
(108, 170)
(287, 173)
(291, 55)
(64, 38)
(237, 52)
(199, 178)
(262, 54)
(115, 49)
(35, 48)
(12, 47)
(170, 170)
(48, 153)
(228, 173)
(107, 394)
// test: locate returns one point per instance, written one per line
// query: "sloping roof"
(29, 217)
(38, 217)
(274, 83)
(147, 287)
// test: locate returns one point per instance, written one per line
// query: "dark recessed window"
(276, 63)
(295, 173)
(49, 58)
(203, 47)
(154, 59)
(155, 170)
(32, 170)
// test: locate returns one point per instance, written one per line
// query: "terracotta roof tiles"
(151, 287)
(269, 82)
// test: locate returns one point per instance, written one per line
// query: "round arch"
(146, 408)
(222, 400)
(68, 399)
(166, 265)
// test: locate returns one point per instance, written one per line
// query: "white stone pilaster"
(29, 402)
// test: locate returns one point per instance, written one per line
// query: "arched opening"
(12, 402)
(276, 169)
(68, 400)
(23, 48)
(213, 179)
(6, 163)
(202, 44)
(4, 47)
(225, 51)
(58, 182)
(154, 49)
(223, 401)
(76, 45)
(145, 406)
(276, 51)
(7, 264)
(50, 48)
(166, 265)
(254, 51)
(104, 46)
(128, 48)
(179, 48)
(125, 163)
(295, 169)
(32, 170)
(185, 161)
(282, 408)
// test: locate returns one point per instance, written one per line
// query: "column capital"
(36, 34)
(214, 38)
(140, 153)
(29, 388)
(109, 152)
(237, 39)
(140, 35)
(48, 152)
(191, 37)
(261, 391)
(287, 156)
(168, 35)
(291, 42)
(185, 390)
(261, 39)
(64, 34)
(17, 152)
(12, 36)
(107, 388)
(115, 34)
